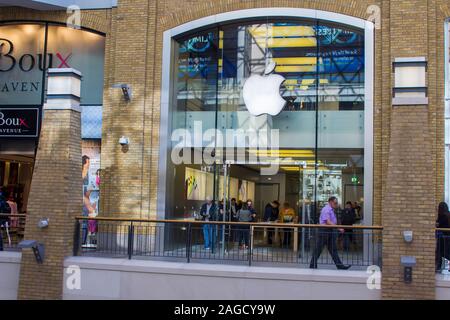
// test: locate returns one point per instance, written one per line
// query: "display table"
(278, 233)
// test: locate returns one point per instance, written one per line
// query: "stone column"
(409, 202)
(56, 188)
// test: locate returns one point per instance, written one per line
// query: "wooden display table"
(278, 233)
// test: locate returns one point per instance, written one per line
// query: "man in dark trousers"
(348, 219)
(208, 212)
(271, 213)
(328, 236)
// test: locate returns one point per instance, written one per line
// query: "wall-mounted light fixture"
(38, 249)
(410, 81)
(408, 236)
(43, 223)
(126, 90)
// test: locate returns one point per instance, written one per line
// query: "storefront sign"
(24, 56)
(21, 123)
(200, 43)
(262, 93)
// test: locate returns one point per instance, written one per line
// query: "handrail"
(13, 215)
(254, 224)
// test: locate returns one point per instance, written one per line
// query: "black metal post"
(189, 242)
(250, 245)
(76, 238)
(130, 240)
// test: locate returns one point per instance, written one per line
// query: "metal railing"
(12, 229)
(442, 248)
(229, 242)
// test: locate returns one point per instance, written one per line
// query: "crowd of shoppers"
(244, 212)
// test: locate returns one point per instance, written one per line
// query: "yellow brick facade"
(408, 141)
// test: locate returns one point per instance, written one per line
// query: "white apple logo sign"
(262, 93)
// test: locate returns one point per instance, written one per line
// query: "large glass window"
(447, 111)
(321, 126)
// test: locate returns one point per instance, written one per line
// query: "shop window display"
(321, 126)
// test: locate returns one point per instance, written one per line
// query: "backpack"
(348, 217)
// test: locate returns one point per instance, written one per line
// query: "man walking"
(327, 236)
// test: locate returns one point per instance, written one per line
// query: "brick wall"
(422, 39)
(56, 185)
(401, 168)
(55, 194)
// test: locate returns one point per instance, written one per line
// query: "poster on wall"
(328, 183)
(234, 188)
(246, 190)
(195, 184)
(91, 150)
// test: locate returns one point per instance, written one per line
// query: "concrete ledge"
(103, 278)
(10, 257)
(9, 274)
(217, 270)
(442, 287)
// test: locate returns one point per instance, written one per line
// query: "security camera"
(126, 90)
(43, 223)
(124, 141)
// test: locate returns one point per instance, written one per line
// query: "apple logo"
(262, 93)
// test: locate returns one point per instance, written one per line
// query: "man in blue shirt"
(328, 236)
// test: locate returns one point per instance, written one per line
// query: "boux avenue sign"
(19, 122)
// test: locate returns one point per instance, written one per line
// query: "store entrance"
(300, 189)
(242, 187)
(15, 182)
(15, 179)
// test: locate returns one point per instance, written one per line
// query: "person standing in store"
(287, 215)
(208, 212)
(14, 211)
(234, 218)
(239, 205)
(87, 211)
(328, 236)
(271, 213)
(348, 219)
(442, 237)
(357, 209)
(220, 218)
(252, 210)
(244, 215)
(5, 210)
